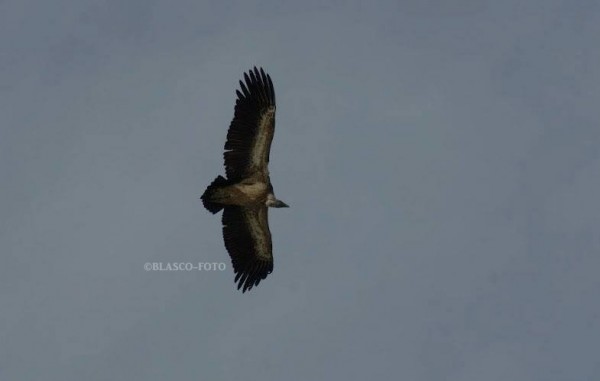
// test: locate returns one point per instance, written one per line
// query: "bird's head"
(279, 204)
(272, 202)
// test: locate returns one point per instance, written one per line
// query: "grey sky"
(441, 160)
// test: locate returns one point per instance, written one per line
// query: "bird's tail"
(211, 206)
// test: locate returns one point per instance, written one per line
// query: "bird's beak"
(282, 204)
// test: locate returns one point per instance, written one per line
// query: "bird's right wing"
(251, 130)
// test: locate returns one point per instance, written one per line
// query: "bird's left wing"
(248, 241)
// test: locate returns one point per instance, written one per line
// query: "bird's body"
(247, 191)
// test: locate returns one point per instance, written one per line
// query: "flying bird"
(247, 192)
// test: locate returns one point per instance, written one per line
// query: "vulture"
(246, 192)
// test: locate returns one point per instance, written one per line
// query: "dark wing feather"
(248, 241)
(251, 130)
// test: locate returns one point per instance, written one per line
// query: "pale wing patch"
(264, 136)
(259, 230)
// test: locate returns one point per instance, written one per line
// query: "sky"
(441, 160)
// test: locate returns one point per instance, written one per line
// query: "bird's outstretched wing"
(248, 241)
(252, 128)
